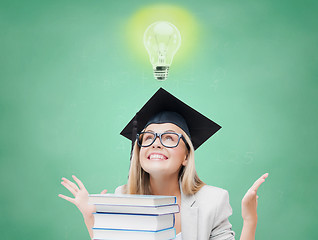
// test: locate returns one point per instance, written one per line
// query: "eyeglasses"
(167, 139)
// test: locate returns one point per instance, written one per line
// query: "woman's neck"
(163, 186)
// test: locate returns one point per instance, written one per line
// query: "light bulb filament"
(162, 40)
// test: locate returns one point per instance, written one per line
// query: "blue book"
(143, 222)
(113, 208)
(115, 234)
(131, 199)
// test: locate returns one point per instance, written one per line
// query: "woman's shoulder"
(213, 201)
(208, 189)
(121, 189)
(207, 193)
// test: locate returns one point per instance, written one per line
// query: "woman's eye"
(148, 137)
(169, 138)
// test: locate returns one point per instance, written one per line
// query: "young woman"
(162, 163)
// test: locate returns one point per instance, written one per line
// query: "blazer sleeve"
(119, 190)
(222, 228)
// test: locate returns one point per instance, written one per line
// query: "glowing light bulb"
(162, 40)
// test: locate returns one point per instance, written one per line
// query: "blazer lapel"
(189, 217)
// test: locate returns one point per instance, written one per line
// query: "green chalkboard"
(73, 73)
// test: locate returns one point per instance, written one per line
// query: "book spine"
(134, 221)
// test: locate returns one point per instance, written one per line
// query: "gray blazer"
(204, 215)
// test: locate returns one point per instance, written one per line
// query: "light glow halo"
(178, 16)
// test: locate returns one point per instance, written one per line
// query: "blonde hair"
(139, 180)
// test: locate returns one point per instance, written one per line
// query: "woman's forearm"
(89, 221)
(248, 230)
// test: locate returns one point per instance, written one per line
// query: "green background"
(69, 84)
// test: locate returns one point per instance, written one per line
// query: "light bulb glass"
(162, 40)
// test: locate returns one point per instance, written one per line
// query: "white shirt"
(179, 236)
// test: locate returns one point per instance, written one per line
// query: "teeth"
(157, 156)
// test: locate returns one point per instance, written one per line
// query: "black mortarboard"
(161, 107)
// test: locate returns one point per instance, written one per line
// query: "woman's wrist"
(250, 219)
(250, 223)
(88, 218)
(88, 211)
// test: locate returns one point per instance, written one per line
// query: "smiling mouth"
(157, 157)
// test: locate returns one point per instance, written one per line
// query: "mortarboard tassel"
(134, 134)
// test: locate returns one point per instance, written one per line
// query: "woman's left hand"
(249, 201)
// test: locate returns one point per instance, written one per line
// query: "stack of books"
(142, 217)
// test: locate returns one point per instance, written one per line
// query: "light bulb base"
(161, 72)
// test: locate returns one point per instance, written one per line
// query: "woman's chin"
(156, 168)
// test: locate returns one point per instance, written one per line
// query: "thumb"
(104, 191)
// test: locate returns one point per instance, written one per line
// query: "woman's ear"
(185, 161)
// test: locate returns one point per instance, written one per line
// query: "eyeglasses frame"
(159, 135)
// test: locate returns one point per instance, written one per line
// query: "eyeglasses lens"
(167, 139)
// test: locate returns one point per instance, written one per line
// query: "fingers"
(259, 182)
(80, 184)
(264, 176)
(71, 184)
(71, 189)
(67, 198)
(104, 191)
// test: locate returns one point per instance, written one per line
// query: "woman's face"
(160, 161)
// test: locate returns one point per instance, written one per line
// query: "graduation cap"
(163, 107)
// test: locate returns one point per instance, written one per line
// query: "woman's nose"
(157, 143)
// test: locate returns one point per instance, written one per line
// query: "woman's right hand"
(80, 194)
(80, 200)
